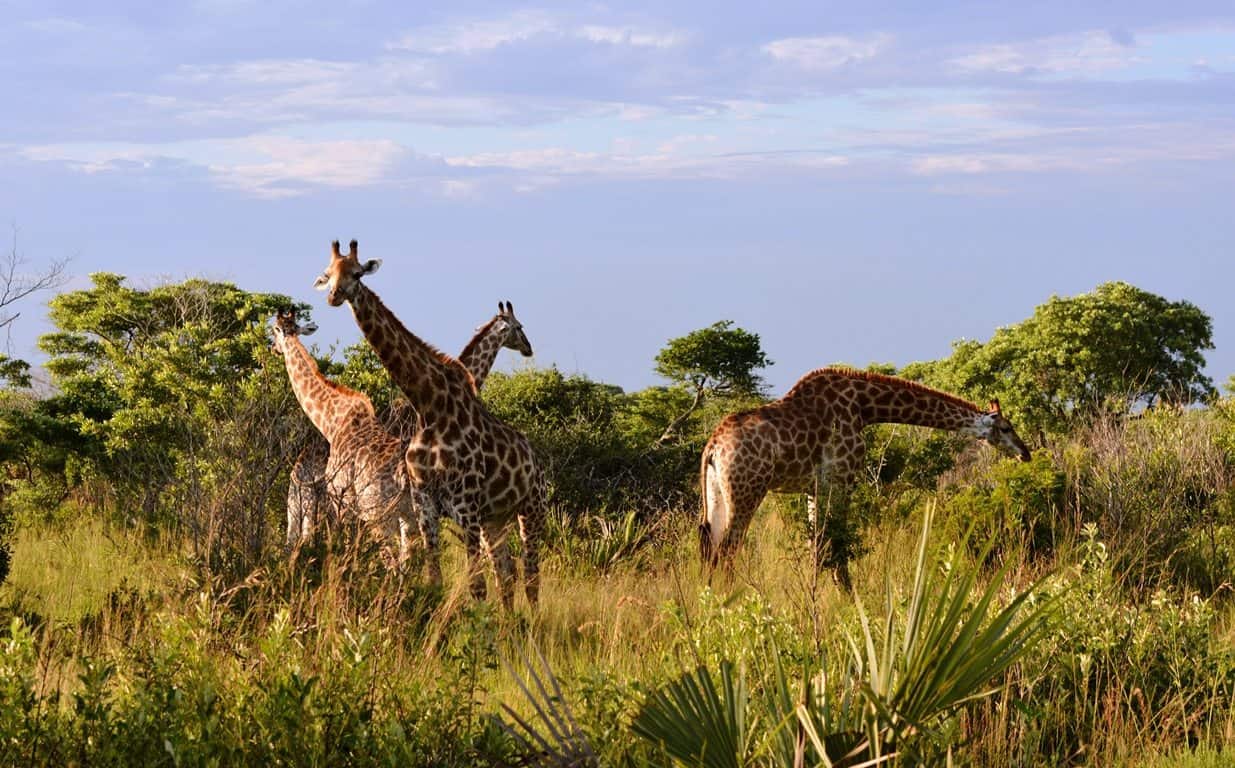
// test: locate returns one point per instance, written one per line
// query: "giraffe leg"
(429, 520)
(473, 536)
(744, 504)
(837, 538)
(498, 551)
(531, 523)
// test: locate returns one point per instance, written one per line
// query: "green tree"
(171, 397)
(1103, 351)
(717, 360)
(17, 283)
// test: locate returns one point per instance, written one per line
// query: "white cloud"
(262, 165)
(628, 36)
(275, 91)
(479, 35)
(991, 162)
(826, 53)
(458, 188)
(288, 163)
(1084, 55)
(56, 25)
(666, 162)
(488, 34)
(274, 72)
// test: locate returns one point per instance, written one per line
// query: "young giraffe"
(364, 471)
(464, 461)
(811, 440)
(306, 490)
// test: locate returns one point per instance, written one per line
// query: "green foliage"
(168, 409)
(139, 372)
(942, 654)
(926, 662)
(552, 737)
(1156, 664)
(593, 449)
(1099, 352)
(596, 544)
(362, 371)
(1015, 506)
(719, 358)
(1159, 488)
(698, 722)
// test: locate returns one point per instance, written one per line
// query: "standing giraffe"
(365, 470)
(307, 491)
(811, 440)
(464, 462)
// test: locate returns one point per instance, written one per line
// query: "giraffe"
(307, 492)
(364, 470)
(463, 462)
(811, 439)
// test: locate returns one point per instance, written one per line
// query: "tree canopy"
(719, 360)
(1106, 350)
(143, 374)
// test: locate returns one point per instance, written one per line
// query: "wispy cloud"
(1082, 55)
(263, 166)
(666, 162)
(826, 53)
(629, 36)
(477, 35)
(990, 162)
(286, 165)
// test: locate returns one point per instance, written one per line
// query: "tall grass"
(116, 649)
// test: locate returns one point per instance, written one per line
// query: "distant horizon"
(866, 185)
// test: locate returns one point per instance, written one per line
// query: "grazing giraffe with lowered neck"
(463, 461)
(306, 490)
(811, 439)
(364, 469)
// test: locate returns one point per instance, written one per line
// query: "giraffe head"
(997, 430)
(515, 338)
(343, 275)
(286, 326)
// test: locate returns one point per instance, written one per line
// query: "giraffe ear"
(371, 266)
(321, 282)
(308, 329)
(995, 406)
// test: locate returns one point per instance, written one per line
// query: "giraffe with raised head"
(364, 470)
(810, 441)
(307, 491)
(463, 462)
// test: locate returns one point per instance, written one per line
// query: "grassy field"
(130, 658)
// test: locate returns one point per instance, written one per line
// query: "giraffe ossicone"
(464, 462)
(363, 474)
(307, 492)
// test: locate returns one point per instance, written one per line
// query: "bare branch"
(16, 283)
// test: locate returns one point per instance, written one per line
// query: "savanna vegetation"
(1071, 610)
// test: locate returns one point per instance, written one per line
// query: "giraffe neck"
(424, 374)
(894, 401)
(324, 402)
(480, 353)
(888, 400)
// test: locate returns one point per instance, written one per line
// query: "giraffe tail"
(714, 522)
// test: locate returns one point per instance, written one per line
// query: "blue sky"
(854, 182)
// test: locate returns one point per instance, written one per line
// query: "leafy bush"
(593, 463)
(1015, 505)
